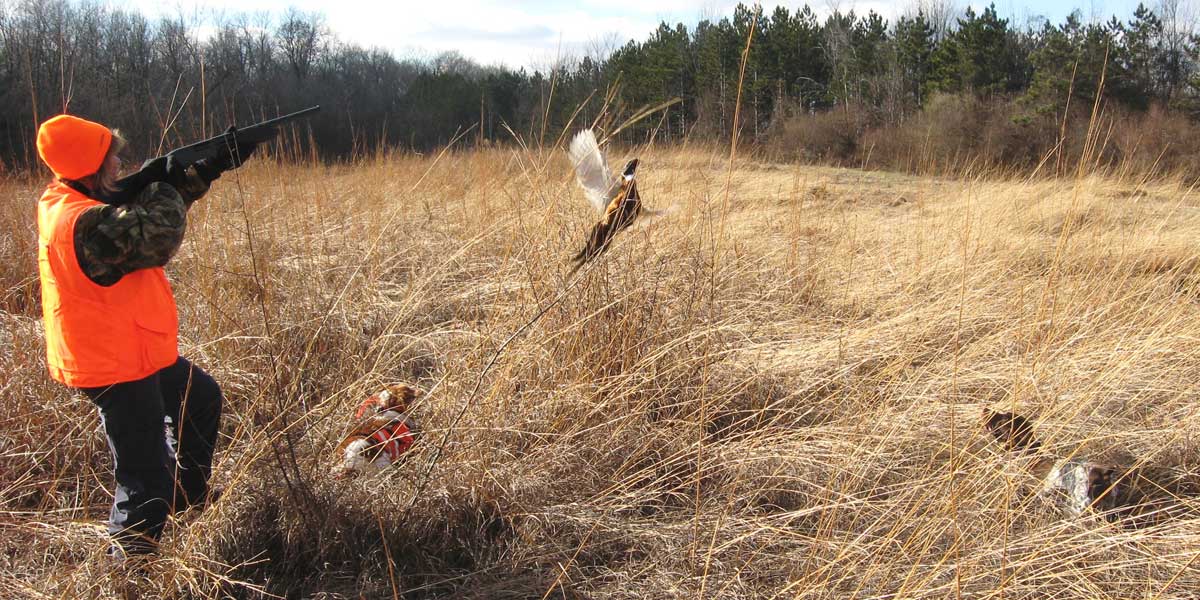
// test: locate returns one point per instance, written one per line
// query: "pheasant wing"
(591, 170)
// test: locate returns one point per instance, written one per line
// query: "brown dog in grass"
(383, 432)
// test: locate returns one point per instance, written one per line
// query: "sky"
(533, 33)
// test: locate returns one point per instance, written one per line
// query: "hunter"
(112, 326)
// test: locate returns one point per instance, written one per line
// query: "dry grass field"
(776, 392)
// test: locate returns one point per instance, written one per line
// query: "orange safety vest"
(96, 335)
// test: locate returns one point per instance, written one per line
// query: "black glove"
(176, 172)
(207, 170)
(155, 169)
(237, 154)
(231, 157)
(167, 169)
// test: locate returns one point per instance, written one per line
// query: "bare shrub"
(1157, 141)
(830, 136)
(956, 133)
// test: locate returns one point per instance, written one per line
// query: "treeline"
(933, 89)
(190, 77)
(841, 87)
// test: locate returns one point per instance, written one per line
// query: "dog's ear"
(1041, 467)
(1012, 430)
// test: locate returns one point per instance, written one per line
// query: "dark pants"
(156, 474)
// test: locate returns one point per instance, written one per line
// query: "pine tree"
(914, 50)
(979, 57)
(711, 78)
(1074, 60)
(1142, 40)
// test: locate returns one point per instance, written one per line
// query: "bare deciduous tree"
(302, 37)
(1178, 19)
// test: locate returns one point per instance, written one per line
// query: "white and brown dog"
(1077, 485)
(384, 431)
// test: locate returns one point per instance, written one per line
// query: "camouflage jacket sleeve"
(112, 241)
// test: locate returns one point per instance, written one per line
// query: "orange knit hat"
(72, 147)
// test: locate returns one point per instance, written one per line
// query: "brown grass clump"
(791, 410)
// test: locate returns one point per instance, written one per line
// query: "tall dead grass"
(799, 418)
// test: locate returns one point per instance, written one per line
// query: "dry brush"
(791, 409)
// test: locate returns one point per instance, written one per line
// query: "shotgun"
(128, 187)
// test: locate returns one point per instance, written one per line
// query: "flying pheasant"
(615, 197)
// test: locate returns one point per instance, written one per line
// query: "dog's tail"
(1012, 430)
(577, 263)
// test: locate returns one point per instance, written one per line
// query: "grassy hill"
(774, 392)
